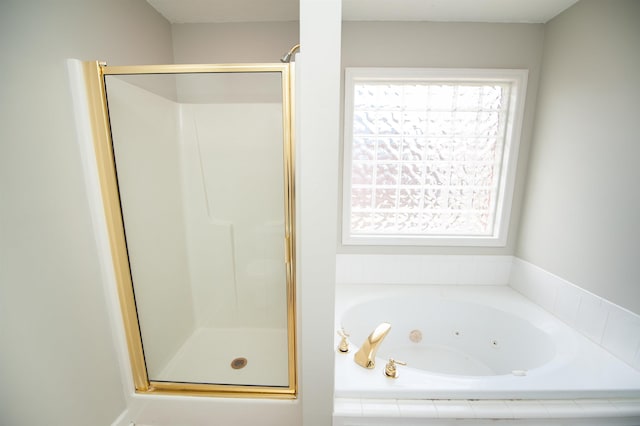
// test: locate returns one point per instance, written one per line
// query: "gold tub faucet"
(366, 355)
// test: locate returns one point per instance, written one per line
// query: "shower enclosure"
(196, 170)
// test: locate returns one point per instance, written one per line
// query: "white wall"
(234, 199)
(582, 211)
(317, 144)
(233, 42)
(57, 364)
(451, 45)
(144, 129)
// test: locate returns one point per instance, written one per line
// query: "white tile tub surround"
(576, 368)
(422, 269)
(362, 411)
(605, 323)
(614, 328)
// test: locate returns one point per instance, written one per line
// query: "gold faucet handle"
(344, 343)
(390, 369)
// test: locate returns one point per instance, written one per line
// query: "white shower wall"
(144, 129)
(232, 159)
(202, 189)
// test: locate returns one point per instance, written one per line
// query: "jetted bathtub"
(477, 342)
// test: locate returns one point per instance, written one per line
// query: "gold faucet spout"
(366, 355)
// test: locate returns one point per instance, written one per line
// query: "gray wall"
(455, 45)
(581, 218)
(233, 42)
(57, 362)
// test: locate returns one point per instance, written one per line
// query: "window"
(430, 155)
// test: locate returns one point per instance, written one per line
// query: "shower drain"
(238, 363)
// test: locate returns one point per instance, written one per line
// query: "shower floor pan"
(236, 356)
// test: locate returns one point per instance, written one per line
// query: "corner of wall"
(614, 328)
(85, 141)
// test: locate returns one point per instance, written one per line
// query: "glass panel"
(365, 96)
(432, 161)
(361, 173)
(361, 198)
(387, 174)
(385, 199)
(389, 122)
(200, 168)
(412, 174)
(364, 123)
(390, 97)
(388, 149)
(410, 198)
(413, 149)
(364, 148)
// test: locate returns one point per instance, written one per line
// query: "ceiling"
(529, 11)
(210, 11)
(201, 11)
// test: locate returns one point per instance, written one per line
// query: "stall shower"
(202, 183)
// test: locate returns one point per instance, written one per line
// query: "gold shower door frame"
(95, 73)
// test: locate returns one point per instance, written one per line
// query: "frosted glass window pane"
(415, 97)
(362, 173)
(412, 174)
(481, 201)
(480, 149)
(434, 222)
(365, 96)
(362, 197)
(364, 123)
(389, 122)
(385, 222)
(385, 199)
(409, 198)
(390, 98)
(434, 199)
(472, 174)
(433, 150)
(437, 174)
(364, 149)
(388, 149)
(458, 149)
(440, 124)
(360, 222)
(413, 123)
(427, 157)
(413, 149)
(409, 222)
(488, 124)
(493, 98)
(387, 174)
(440, 97)
(465, 123)
(468, 98)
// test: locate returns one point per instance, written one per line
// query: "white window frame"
(518, 80)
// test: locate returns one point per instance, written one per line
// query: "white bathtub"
(478, 343)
